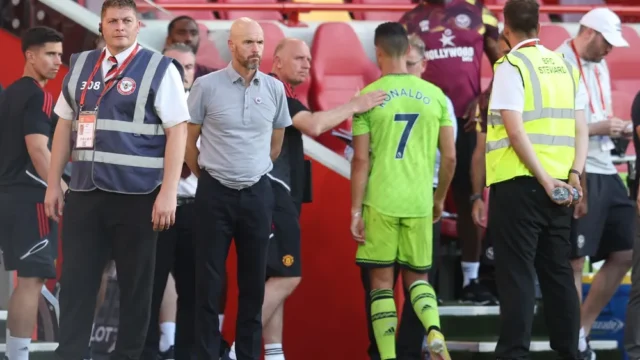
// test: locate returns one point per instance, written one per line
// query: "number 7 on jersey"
(410, 120)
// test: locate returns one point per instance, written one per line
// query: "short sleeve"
(63, 109)
(170, 103)
(282, 119)
(490, 22)
(360, 124)
(452, 116)
(36, 120)
(196, 104)
(445, 120)
(295, 107)
(582, 99)
(507, 92)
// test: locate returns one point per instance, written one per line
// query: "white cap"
(607, 23)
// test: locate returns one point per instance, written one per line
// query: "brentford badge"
(463, 21)
(126, 86)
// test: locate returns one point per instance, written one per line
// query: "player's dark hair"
(392, 38)
(173, 22)
(131, 4)
(38, 36)
(522, 16)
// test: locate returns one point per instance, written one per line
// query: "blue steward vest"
(129, 144)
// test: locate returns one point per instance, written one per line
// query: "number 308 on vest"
(93, 85)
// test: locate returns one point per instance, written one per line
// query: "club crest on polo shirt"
(463, 21)
(126, 86)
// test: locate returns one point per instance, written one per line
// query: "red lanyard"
(110, 83)
(595, 70)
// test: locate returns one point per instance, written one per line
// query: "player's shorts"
(28, 239)
(465, 145)
(390, 240)
(609, 225)
(283, 259)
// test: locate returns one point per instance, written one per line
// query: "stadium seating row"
(275, 15)
(341, 65)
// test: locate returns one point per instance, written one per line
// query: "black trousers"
(175, 253)
(411, 332)
(530, 235)
(223, 214)
(98, 224)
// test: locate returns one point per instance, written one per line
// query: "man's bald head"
(246, 43)
(292, 61)
(287, 44)
(243, 26)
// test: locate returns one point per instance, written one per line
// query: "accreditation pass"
(86, 130)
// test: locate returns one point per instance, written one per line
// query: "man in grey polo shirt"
(240, 114)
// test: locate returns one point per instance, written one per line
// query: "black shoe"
(167, 355)
(477, 294)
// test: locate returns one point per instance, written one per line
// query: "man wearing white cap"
(606, 225)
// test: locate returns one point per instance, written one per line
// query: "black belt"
(186, 201)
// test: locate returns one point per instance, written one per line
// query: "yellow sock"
(385, 321)
(425, 304)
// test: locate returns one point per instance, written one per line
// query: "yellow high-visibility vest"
(550, 85)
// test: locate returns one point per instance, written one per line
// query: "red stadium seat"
(623, 63)
(379, 15)
(552, 36)
(272, 36)
(622, 101)
(340, 68)
(196, 14)
(543, 18)
(208, 54)
(255, 15)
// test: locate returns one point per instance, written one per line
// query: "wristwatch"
(475, 197)
(574, 171)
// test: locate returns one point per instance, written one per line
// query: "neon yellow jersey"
(404, 138)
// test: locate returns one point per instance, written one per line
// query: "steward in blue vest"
(129, 143)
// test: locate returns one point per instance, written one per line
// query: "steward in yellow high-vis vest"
(536, 144)
(550, 84)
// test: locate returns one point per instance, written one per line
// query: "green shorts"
(390, 240)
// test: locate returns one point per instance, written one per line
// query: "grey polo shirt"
(237, 122)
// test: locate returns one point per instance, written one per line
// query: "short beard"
(249, 65)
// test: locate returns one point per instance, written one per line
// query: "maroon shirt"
(454, 37)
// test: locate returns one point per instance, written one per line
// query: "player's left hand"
(365, 102)
(478, 212)
(627, 132)
(357, 228)
(574, 182)
(473, 113)
(163, 215)
(438, 207)
(580, 210)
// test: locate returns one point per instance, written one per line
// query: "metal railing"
(292, 10)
